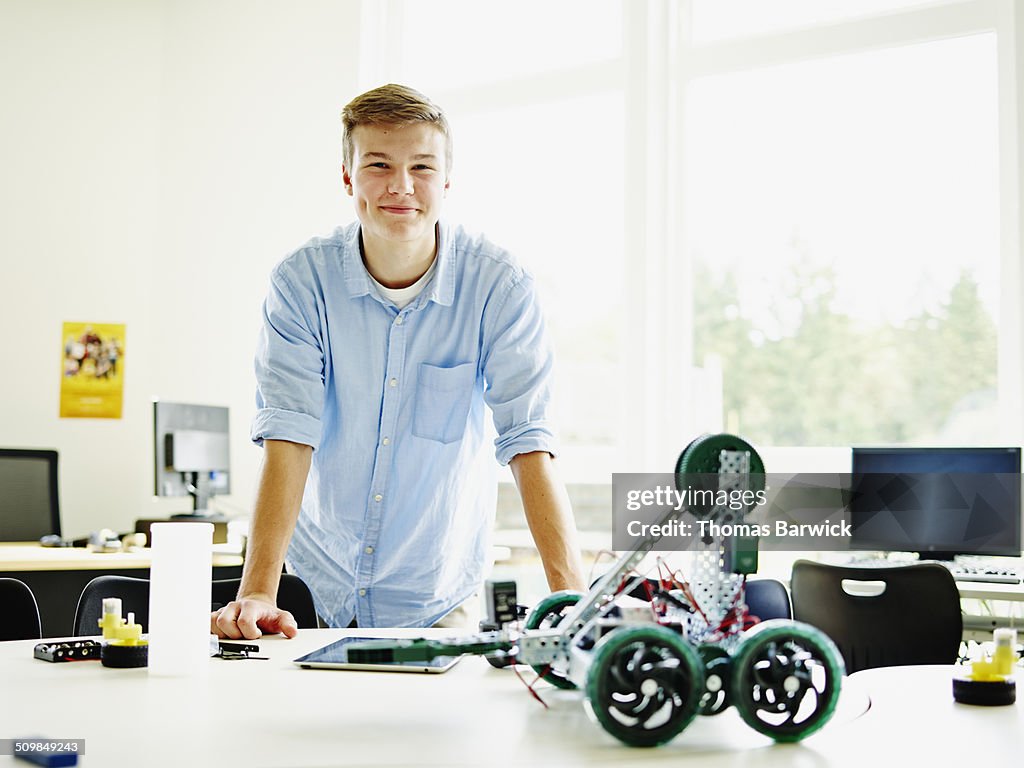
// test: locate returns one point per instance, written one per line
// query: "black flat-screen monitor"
(190, 452)
(29, 501)
(937, 502)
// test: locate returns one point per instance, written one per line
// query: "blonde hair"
(392, 105)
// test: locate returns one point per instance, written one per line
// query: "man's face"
(398, 179)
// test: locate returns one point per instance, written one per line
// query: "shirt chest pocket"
(443, 397)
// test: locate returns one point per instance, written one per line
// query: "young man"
(381, 346)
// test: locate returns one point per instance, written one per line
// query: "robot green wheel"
(717, 694)
(548, 613)
(644, 684)
(786, 679)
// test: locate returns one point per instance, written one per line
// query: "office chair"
(134, 595)
(19, 612)
(292, 595)
(768, 599)
(765, 598)
(901, 615)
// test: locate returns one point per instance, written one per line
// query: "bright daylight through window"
(843, 222)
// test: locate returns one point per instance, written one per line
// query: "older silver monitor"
(190, 452)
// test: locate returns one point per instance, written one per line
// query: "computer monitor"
(29, 501)
(937, 502)
(190, 452)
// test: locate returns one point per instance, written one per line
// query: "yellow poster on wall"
(92, 370)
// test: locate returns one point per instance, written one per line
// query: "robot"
(646, 673)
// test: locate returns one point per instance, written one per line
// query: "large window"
(794, 220)
(844, 226)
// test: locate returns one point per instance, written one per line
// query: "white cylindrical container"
(179, 598)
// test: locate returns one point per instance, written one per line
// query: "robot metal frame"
(646, 673)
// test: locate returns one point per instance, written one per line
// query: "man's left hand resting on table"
(249, 618)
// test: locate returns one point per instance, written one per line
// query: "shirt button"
(398, 320)
(362, 593)
(369, 550)
(393, 382)
(378, 497)
(386, 440)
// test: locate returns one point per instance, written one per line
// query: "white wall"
(157, 157)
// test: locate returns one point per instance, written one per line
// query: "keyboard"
(992, 574)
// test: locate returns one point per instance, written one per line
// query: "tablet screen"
(335, 656)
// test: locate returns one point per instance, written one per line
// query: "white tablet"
(335, 656)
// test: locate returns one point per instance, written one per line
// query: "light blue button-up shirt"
(399, 503)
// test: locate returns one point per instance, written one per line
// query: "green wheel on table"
(645, 684)
(786, 678)
(547, 615)
(716, 697)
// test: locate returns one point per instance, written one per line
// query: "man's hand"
(249, 618)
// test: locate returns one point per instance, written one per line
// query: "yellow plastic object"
(1000, 664)
(117, 630)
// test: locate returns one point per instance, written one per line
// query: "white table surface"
(272, 713)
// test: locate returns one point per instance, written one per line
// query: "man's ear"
(346, 180)
(447, 184)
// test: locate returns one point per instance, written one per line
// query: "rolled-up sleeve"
(518, 365)
(289, 366)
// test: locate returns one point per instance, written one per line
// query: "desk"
(979, 627)
(271, 713)
(979, 590)
(57, 575)
(913, 715)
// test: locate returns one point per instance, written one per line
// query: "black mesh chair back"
(19, 613)
(293, 596)
(134, 595)
(881, 617)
